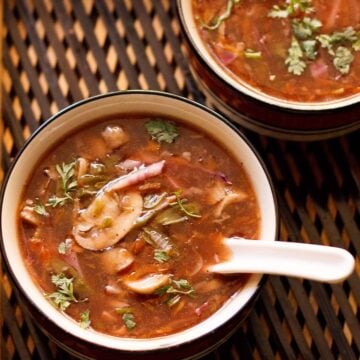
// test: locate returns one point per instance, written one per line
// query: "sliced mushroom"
(107, 220)
(148, 284)
(116, 260)
(230, 198)
(114, 136)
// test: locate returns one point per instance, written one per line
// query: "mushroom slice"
(148, 284)
(116, 260)
(230, 198)
(108, 218)
(114, 136)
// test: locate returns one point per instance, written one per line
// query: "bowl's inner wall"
(77, 116)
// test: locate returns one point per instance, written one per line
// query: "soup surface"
(298, 50)
(120, 220)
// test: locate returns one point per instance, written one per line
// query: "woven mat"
(58, 52)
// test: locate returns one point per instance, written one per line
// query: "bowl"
(256, 110)
(65, 332)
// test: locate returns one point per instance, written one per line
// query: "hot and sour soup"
(120, 220)
(299, 50)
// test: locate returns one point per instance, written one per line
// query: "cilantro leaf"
(40, 209)
(66, 172)
(129, 320)
(294, 60)
(305, 28)
(161, 256)
(64, 246)
(85, 319)
(343, 59)
(64, 295)
(68, 184)
(161, 130)
(290, 8)
(309, 48)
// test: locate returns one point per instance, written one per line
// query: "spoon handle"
(308, 261)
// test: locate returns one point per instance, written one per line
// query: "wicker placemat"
(58, 52)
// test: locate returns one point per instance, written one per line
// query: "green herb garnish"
(85, 319)
(290, 8)
(182, 287)
(40, 209)
(129, 320)
(161, 256)
(64, 295)
(67, 184)
(343, 59)
(305, 28)
(64, 246)
(162, 130)
(186, 209)
(218, 20)
(295, 63)
(66, 172)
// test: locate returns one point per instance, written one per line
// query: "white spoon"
(314, 262)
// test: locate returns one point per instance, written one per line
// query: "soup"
(120, 220)
(302, 50)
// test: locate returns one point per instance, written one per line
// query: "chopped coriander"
(305, 28)
(40, 209)
(343, 59)
(218, 20)
(251, 54)
(64, 295)
(55, 201)
(290, 8)
(85, 319)
(129, 320)
(64, 246)
(161, 256)
(66, 172)
(279, 13)
(356, 44)
(309, 48)
(67, 184)
(162, 130)
(294, 60)
(182, 287)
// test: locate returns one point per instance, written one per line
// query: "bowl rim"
(37, 132)
(187, 22)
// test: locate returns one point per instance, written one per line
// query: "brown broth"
(250, 27)
(195, 164)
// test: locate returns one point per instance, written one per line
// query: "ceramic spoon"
(314, 262)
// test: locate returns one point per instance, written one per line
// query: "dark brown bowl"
(256, 110)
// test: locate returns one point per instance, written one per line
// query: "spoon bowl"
(308, 261)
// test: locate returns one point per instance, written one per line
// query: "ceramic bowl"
(256, 110)
(64, 331)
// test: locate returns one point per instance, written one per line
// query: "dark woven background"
(57, 52)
